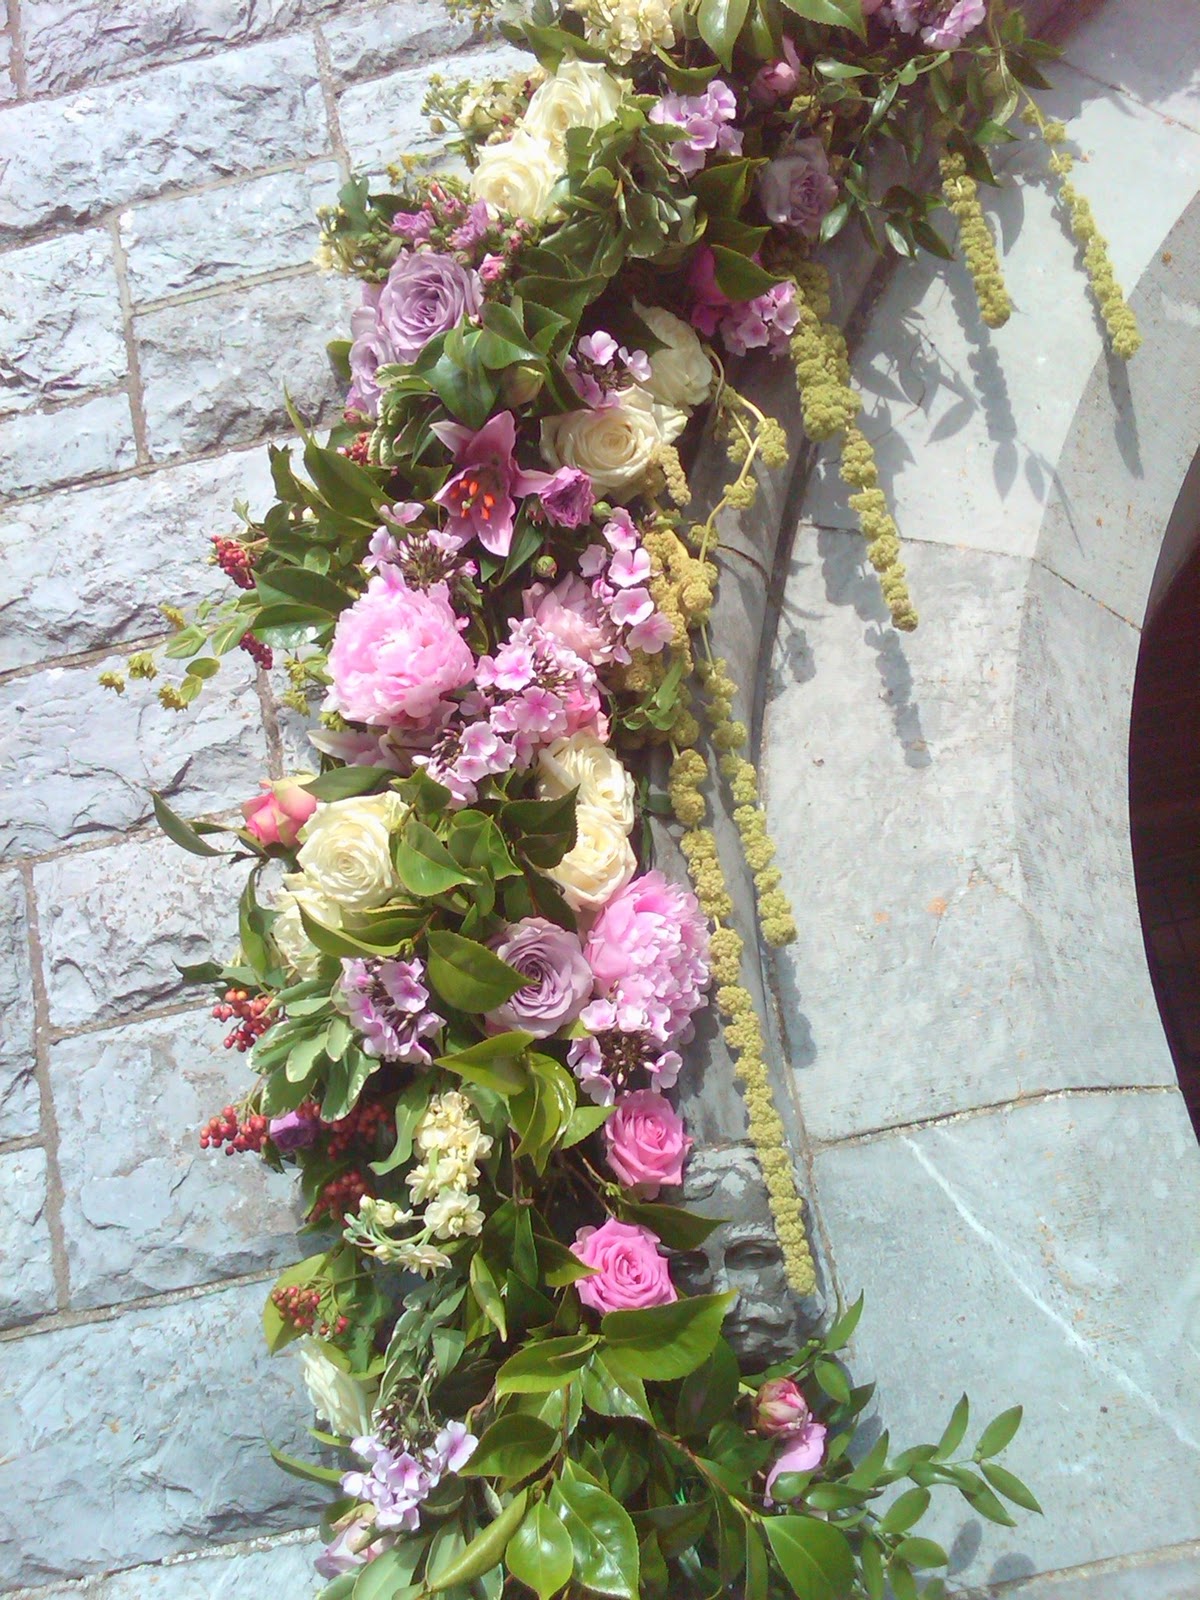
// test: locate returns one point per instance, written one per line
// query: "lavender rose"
(368, 352)
(559, 978)
(796, 189)
(425, 294)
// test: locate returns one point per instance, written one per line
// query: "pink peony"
(396, 652)
(630, 1271)
(647, 1144)
(803, 1452)
(575, 617)
(779, 1408)
(277, 815)
(648, 950)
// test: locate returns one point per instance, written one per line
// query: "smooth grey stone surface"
(368, 41)
(27, 1281)
(144, 1207)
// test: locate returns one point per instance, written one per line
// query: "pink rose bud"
(647, 1144)
(779, 1407)
(630, 1271)
(278, 814)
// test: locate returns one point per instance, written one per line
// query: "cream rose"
(287, 931)
(582, 762)
(615, 444)
(345, 850)
(600, 863)
(517, 176)
(339, 1399)
(680, 373)
(579, 95)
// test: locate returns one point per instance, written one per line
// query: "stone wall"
(160, 162)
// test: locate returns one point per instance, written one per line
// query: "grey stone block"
(174, 246)
(374, 39)
(280, 1570)
(115, 921)
(1167, 1575)
(214, 370)
(69, 161)
(70, 42)
(19, 1108)
(27, 1282)
(77, 760)
(8, 89)
(152, 1429)
(1053, 1271)
(88, 568)
(60, 335)
(144, 1207)
(84, 441)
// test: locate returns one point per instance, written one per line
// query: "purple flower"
(425, 294)
(473, 228)
(796, 188)
(943, 23)
(369, 351)
(386, 1002)
(567, 496)
(292, 1131)
(415, 226)
(357, 1544)
(705, 120)
(479, 496)
(558, 979)
(398, 1480)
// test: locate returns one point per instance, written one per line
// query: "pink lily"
(480, 495)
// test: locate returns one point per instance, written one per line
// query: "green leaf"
(304, 587)
(545, 829)
(539, 1554)
(999, 1432)
(720, 22)
(738, 276)
(678, 1229)
(487, 1294)
(834, 13)
(907, 1509)
(613, 1394)
(955, 1430)
(493, 1063)
(920, 1553)
(1011, 1487)
(544, 1365)
(709, 1394)
(664, 1342)
(252, 929)
(813, 1556)
(484, 1550)
(603, 1539)
(584, 1121)
(423, 864)
(512, 1447)
(178, 831)
(468, 975)
(341, 783)
(843, 1329)
(387, 1575)
(308, 1470)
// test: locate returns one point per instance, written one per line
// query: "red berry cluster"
(258, 652)
(362, 1123)
(298, 1307)
(359, 450)
(340, 1196)
(226, 1129)
(234, 560)
(252, 1016)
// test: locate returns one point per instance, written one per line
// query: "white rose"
(343, 1402)
(583, 762)
(600, 864)
(614, 445)
(680, 373)
(345, 850)
(287, 931)
(579, 95)
(517, 176)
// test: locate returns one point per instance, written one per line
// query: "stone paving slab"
(27, 1279)
(1166, 1577)
(115, 921)
(284, 1571)
(1054, 1272)
(19, 1104)
(90, 440)
(145, 1209)
(149, 1432)
(60, 335)
(77, 760)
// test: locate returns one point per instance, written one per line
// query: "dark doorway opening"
(1164, 811)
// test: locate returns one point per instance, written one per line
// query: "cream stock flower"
(579, 95)
(345, 852)
(454, 1215)
(625, 28)
(680, 373)
(337, 1397)
(600, 863)
(615, 445)
(517, 176)
(585, 763)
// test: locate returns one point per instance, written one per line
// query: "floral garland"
(461, 984)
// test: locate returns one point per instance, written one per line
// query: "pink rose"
(277, 815)
(779, 1407)
(779, 78)
(647, 1144)
(630, 1274)
(803, 1452)
(396, 652)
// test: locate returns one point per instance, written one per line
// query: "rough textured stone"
(87, 568)
(280, 1568)
(152, 1210)
(61, 334)
(152, 1428)
(116, 749)
(67, 161)
(78, 442)
(27, 1283)
(114, 922)
(18, 1092)
(214, 370)
(174, 246)
(71, 42)
(1168, 1575)
(8, 89)
(1053, 1272)
(374, 39)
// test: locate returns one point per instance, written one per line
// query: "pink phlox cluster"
(618, 1054)
(423, 556)
(606, 610)
(705, 120)
(600, 368)
(943, 24)
(397, 1481)
(766, 322)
